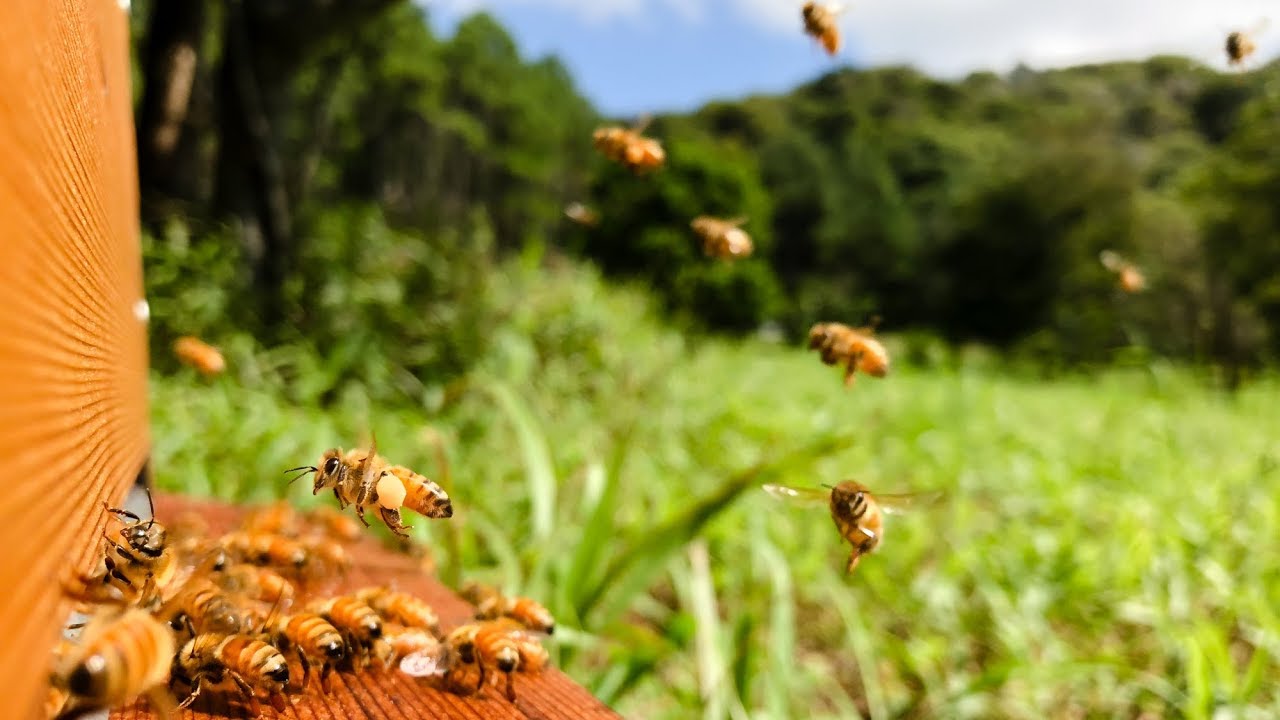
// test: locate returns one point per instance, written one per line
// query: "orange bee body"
(722, 238)
(262, 583)
(265, 549)
(1128, 276)
(250, 663)
(199, 355)
(316, 641)
(206, 607)
(628, 147)
(401, 608)
(820, 23)
(399, 641)
(118, 660)
(358, 623)
(487, 645)
(582, 214)
(856, 348)
(325, 554)
(278, 518)
(336, 524)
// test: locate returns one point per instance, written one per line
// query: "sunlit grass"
(1103, 548)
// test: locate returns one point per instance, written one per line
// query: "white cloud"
(954, 37)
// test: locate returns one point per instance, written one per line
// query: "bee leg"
(342, 504)
(850, 369)
(162, 703)
(854, 557)
(306, 669)
(391, 517)
(326, 677)
(247, 689)
(511, 686)
(199, 683)
(480, 682)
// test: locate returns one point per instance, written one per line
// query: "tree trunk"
(170, 56)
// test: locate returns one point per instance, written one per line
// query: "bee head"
(89, 678)
(333, 649)
(508, 659)
(279, 673)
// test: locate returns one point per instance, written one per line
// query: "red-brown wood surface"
(73, 397)
(391, 694)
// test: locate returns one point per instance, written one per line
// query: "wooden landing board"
(389, 695)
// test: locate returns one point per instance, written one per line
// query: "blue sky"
(634, 56)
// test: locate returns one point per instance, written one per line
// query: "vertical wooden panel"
(72, 348)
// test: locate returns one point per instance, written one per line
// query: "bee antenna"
(829, 487)
(151, 504)
(306, 470)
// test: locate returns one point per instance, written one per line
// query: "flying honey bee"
(820, 23)
(132, 573)
(1128, 276)
(855, 347)
(491, 604)
(582, 214)
(361, 477)
(858, 515)
(250, 663)
(199, 355)
(400, 607)
(314, 640)
(121, 657)
(359, 625)
(629, 147)
(722, 238)
(1241, 44)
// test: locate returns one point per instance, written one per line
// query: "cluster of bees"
(176, 613)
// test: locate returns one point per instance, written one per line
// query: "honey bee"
(820, 23)
(335, 524)
(199, 355)
(121, 657)
(133, 573)
(359, 625)
(855, 347)
(360, 477)
(265, 549)
(260, 583)
(401, 642)
(487, 645)
(400, 607)
(278, 518)
(250, 663)
(722, 238)
(204, 607)
(858, 515)
(1240, 43)
(629, 147)
(315, 641)
(491, 604)
(582, 214)
(1128, 276)
(325, 554)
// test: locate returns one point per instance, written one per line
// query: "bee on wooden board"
(400, 607)
(265, 549)
(855, 347)
(857, 513)
(489, 646)
(1241, 44)
(400, 642)
(582, 214)
(820, 24)
(492, 604)
(131, 573)
(1129, 277)
(259, 583)
(278, 518)
(200, 355)
(628, 147)
(204, 607)
(121, 656)
(251, 664)
(335, 523)
(362, 477)
(721, 238)
(315, 641)
(359, 625)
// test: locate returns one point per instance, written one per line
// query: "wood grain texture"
(72, 351)
(382, 695)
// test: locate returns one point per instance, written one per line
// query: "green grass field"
(1104, 548)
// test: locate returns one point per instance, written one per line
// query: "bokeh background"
(361, 204)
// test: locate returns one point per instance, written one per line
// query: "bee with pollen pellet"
(176, 617)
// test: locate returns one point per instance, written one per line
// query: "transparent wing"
(898, 503)
(1259, 26)
(805, 496)
(424, 663)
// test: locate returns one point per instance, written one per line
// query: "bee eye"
(331, 466)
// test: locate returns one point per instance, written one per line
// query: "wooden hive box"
(73, 363)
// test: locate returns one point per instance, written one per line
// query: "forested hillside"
(288, 148)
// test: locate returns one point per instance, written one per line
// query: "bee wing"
(898, 503)
(642, 123)
(423, 663)
(736, 221)
(806, 496)
(1259, 26)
